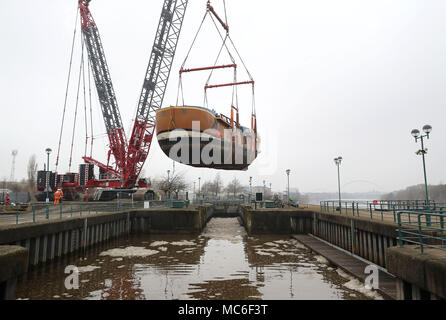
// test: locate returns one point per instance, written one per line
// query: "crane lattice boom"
(130, 158)
(154, 87)
(104, 86)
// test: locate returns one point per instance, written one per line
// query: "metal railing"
(380, 210)
(345, 207)
(389, 205)
(38, 212)
(426, 229)
(229, 202)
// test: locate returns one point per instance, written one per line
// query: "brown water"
(222, 263)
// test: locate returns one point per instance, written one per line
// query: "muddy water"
(222, 263)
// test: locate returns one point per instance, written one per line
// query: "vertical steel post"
(338, 163)
(250, 189)
(424, 170)
(420, 233)
(428, 218)
(400, 240)
(48, 173)
(288, 189)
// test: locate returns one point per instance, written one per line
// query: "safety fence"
(42, 211)
(218, 201)
(342, 207)
(395, 205)
(380, 210)
(426, 229)
(364, 209)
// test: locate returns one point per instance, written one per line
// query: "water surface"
(221, 263)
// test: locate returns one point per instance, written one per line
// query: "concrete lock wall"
(363, 237)
(46, 241)
(13, 264)
(26, 245)
(419, 276)
(276, 221)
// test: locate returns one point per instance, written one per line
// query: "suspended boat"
(200, 137)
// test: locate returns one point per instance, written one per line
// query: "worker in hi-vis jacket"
(7, 200)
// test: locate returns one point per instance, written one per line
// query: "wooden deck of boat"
(349, 263)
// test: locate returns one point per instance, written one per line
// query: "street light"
(168, 181)
(427, 129)
(48, 151)
(288, 188)
(338, 161)
(264, 187)
(250, 189)
(199, 187)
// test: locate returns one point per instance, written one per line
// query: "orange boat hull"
(200, 138)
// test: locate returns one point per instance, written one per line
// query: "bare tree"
(234, 187)
(32, 172)
(206, 188)
(216, 186)
(179, 184)
(174, 184)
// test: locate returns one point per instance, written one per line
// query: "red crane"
(130, 158)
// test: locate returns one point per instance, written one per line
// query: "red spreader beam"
(211, 9)
(209, 68)
(228, 84)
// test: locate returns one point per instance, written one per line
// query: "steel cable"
(67, 89)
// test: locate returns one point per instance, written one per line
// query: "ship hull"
(199, 138)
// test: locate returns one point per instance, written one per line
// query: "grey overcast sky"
(333, 77)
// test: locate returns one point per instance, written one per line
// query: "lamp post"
(250, 189)
(288, 186)
(195, 196)
(168, 181)
(416, 134)
(199, 187)
(338, 161)
(48, 151)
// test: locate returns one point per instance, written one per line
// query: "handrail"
(423, 228)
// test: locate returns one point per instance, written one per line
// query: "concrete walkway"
(349, 263)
